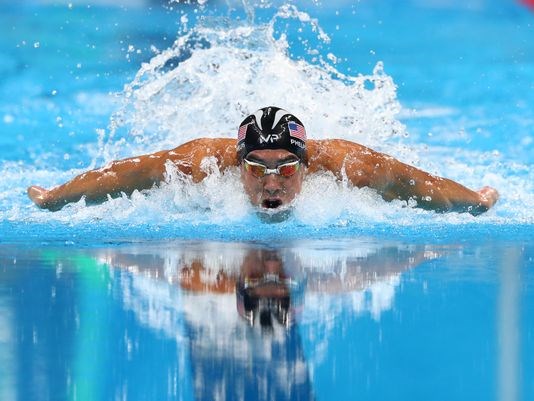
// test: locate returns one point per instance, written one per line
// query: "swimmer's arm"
(193, 277)
(361, 273)
(431, 192)
(135, 173)
(396, 180)
(121, 176)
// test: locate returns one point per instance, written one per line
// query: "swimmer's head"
(271, 148)
(267, 293)
(271, 128)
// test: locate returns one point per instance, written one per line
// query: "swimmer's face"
(272, 190)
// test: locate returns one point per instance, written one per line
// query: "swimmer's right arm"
(121, 176)
(135, 173)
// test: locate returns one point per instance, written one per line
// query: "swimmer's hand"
(488, 197)
(41, 197)
(38, 195)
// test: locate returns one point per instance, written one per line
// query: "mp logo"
(269, 138)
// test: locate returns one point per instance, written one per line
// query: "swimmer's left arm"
(396, 180)
(431, 192)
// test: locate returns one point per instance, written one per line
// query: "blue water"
(374, 320)
(392, 303)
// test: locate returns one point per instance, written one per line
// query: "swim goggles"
(260, 170)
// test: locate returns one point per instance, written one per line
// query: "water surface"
(347, 319)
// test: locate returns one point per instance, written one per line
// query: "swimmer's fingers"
(488, 196)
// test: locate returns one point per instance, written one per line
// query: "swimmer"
(274, 157)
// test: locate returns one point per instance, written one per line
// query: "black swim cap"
(271, 128)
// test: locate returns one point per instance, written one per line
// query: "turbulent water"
(159, 278)
(221, 67)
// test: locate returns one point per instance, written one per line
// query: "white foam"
(228, 69)
(243, 68)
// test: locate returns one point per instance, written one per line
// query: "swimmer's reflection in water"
(261, 348)
(265, 292)
(270, 284)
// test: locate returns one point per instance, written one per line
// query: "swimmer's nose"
(272, 192)
(271, 184)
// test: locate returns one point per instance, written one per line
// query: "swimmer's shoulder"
(326, 149)
(315, 146)
(207, 143)
(223, 149)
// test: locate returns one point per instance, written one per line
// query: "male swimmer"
(274, 157)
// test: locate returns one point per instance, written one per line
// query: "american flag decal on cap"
(242, 132)
(296, 130)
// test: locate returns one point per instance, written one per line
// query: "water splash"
(222, 70)
(216, 73)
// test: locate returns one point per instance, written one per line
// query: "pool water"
(367, 319)
(148, 297)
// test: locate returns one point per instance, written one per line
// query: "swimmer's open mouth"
(271, 203)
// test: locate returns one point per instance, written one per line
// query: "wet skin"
(359, 165)
(272, 190)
